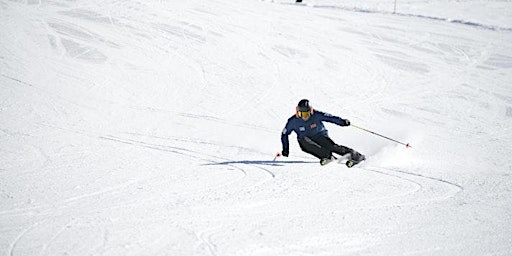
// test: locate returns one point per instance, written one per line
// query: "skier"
(312, 135)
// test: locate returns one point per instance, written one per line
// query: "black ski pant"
(322, 146)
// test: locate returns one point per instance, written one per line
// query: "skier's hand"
(346, 122)
(286, 152)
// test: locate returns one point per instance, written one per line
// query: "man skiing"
(312, 135)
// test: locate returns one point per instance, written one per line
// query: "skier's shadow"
(261, 162)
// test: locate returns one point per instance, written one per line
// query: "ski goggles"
(304, 114)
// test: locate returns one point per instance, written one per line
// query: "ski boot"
(355, 159)
(325, 161)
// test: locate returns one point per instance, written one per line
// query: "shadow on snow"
(262, 162)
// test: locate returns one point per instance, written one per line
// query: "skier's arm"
(333, 119)
(284, 139)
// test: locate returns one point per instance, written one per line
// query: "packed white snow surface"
(150, 127)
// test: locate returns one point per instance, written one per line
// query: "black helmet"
(303, 105)
(304, 110)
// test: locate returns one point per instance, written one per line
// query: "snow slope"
(150, 127)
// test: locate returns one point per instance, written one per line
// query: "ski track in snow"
(429, 189)
(195, 155)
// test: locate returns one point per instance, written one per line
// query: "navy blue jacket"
(313, 126)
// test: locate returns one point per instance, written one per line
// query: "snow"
(150, 127)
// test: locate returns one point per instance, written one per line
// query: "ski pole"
(276, 156)
(406, 145)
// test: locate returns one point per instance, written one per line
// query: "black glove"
(346, 122)
(286, 152)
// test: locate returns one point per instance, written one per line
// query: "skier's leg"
(328, 143)
(309, 146)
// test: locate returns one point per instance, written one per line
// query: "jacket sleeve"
(331, 119)
(284, 135)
